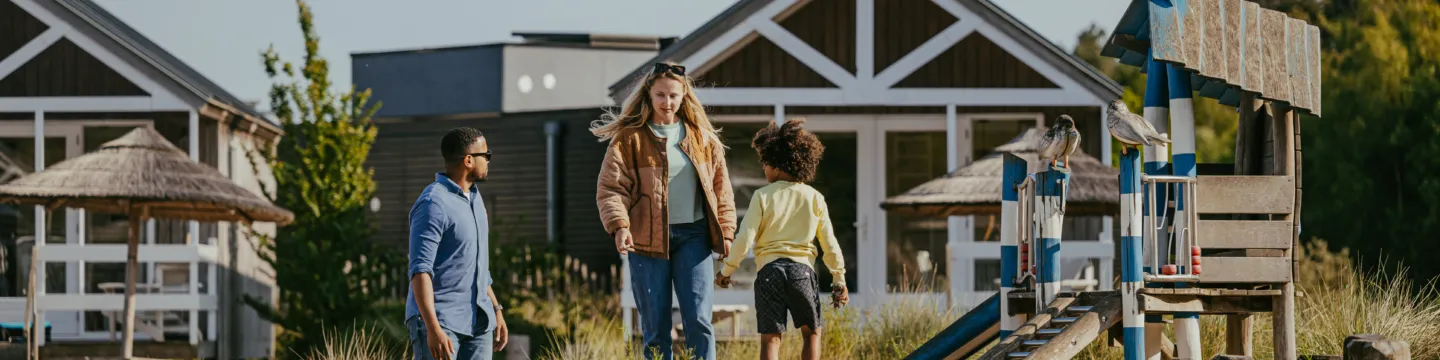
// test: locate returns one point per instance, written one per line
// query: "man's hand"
(502, 332)
(624, 242)
(439, 344)
(839, 296)
(722, 281)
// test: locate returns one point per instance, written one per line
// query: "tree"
(1369, 163)
(328, 271)
(1215, 124)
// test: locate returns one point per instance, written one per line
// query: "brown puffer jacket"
(634, 185)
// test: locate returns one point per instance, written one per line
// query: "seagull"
(1060, 141)
(1131, 129)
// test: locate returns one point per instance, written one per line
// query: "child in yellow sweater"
(783, 219)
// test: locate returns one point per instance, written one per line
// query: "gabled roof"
(162, 60)
(1088, 76)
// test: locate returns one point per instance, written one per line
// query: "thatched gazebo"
(975, 189)
(142, 175)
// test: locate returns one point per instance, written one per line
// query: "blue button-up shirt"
(450, 240)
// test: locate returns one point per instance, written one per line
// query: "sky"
(223, 39)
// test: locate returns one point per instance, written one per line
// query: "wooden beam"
(1245, 195)
(1238, 330)
(1080, 333)
(922, 55)
(1277, 81)
(28, 51)
(1246, 270)
(895, 97)
(87, 104)
(1237, 234)
(803, 52)
(1129, 42)
(1027, 331)
(1283, 331)
(864, 40)
(1166, 304)
(1209, 292)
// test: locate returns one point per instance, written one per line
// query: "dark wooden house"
(533, 100)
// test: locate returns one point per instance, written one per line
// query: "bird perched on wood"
(1131, 129)
(1060, 141)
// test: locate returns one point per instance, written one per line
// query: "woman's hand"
(725, 249)
(624, 242)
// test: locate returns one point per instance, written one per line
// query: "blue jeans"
(466, 347)
(691, 273)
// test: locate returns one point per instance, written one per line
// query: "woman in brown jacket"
(664, 195)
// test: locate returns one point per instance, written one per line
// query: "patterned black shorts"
(787, 286)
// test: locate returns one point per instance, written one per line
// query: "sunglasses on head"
(661, 68)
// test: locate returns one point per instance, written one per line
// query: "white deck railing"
(153, 297)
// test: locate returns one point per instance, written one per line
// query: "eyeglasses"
(661, 68)
(485, 155)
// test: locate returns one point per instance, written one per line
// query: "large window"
(17, 223)
(835, 178)
(915, 258)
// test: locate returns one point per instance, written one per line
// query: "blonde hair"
(637, 110)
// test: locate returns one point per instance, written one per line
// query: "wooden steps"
(1066, 326)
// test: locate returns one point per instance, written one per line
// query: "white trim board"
(90, 104)
(894, 97)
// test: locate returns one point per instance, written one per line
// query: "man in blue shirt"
(451, 311)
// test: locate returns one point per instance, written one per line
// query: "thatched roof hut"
(144, 176)
(975, 189)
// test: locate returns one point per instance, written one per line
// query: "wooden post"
(1284, 308)
(1013, 174)
(1238, 334)
(1375, 347)
(138, 216)
(32, 326)
(1132, 256)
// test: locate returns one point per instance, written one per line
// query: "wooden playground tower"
(1214, 239)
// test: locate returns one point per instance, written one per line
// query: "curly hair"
(789, 148)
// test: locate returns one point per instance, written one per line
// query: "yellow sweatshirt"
(782, 220)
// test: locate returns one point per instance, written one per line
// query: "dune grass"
(1339, 300)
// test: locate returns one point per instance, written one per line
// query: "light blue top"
(450, 240)
(684, 182)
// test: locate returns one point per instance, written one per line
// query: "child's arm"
(826, 234)
(749, 230)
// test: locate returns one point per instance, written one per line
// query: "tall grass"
(364, 342)
(1338, 301)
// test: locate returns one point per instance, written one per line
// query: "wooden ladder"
(1067, 326)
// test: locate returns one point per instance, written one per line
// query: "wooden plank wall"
(406, 157)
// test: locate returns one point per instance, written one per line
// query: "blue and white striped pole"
(1049, 190)
(1014, 173)
(1131, 257)
(1182, 119)
(1157, 112)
